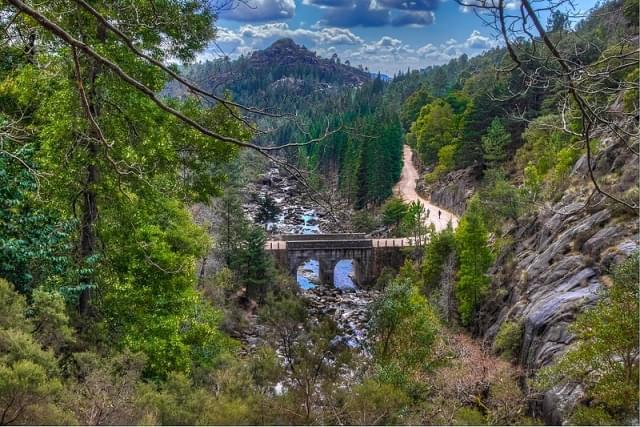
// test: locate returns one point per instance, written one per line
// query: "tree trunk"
(88, 236)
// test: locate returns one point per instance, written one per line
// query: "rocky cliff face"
(558, 263)
(452, 191)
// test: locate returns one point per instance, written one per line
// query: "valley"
(319, 213)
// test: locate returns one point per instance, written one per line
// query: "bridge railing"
(316, 237)
(393, 243)
(323, 243)
(329, 244)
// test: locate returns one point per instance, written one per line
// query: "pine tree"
(257, 271)
(474, 258)
(494, 144)
(231, 228)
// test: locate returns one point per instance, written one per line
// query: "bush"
(393, 211)
(591, 416)
(509, 339)
(469, 417)
(363, 221)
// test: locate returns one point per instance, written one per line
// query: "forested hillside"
(283, 77)
(142, 281)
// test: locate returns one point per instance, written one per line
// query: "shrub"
(363, 221)
(591, 416)
(509, 339)
(469, 417)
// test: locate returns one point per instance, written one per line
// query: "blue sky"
(382, 35)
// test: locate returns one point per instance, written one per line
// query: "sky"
(382, 35)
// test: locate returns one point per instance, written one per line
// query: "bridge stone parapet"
(369, 256)
(315, 237)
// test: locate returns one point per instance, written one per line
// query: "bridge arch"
(345, 274)
(369, 255)
(307, 273)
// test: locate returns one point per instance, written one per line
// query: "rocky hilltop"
(290, 59)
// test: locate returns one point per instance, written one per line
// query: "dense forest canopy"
(136, 289)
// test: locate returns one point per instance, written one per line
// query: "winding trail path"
(406, 189)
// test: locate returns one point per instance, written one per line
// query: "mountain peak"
(286, 43)
(285, 46)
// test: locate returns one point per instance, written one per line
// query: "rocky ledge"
(452, 191)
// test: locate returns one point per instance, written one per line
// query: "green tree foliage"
(375, 403)
(495, 143)
(605, 357)
(155, 308)
(404, 328)
(30, 386)
(268, 210)
(474, 259)
(498, 196)
(179, 402)
(255, 266)
(509, 339)
(126, 171)
(364, 221)
(312, 357)
(436, 251)
(412, 106)
(393, 211)
(232, 226)
(35, 241)
(546, 157)
(432, 130)
(367, 162)
(446, 162)
(414, 223)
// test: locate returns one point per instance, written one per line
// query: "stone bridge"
(369, 256)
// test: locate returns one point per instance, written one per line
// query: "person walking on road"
(439, 213)
(428, 212)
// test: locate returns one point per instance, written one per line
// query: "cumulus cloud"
(469, 5)
(478, 41)
(450, 49)
(375, 13)
(387, 54)
(413, 19)
(273, 31)
(250, 37)
(261, 11)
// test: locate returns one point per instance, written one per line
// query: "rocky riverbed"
(300, 212)
(348, 308)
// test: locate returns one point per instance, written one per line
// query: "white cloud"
(478, 41)
(470, 5)
(387, 54)
(257, 34)
(250, 37)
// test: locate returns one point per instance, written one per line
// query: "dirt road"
(406, 189)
